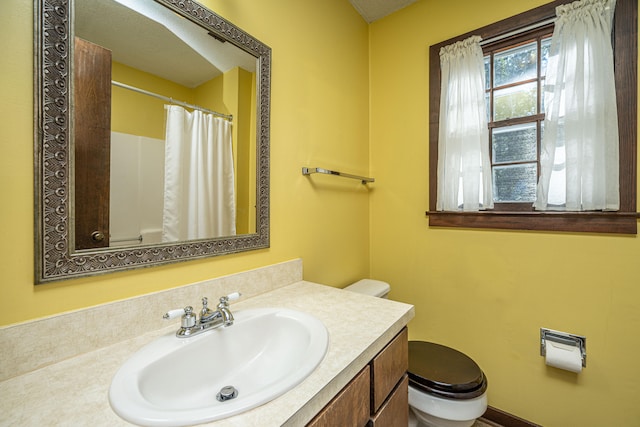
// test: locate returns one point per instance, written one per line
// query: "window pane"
(514, 143)
(515, 183)
(516, 101)
(487, 102)
(516, 65)
(544, 48)
(487, 72)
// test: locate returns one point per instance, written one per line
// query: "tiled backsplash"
(27, 346)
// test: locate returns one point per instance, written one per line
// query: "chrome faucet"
(190, 325)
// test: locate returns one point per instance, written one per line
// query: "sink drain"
(227, 393)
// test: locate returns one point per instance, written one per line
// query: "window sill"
(581, 222)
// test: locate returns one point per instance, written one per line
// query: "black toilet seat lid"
(445, 372)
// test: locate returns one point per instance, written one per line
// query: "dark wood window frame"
(624, 221)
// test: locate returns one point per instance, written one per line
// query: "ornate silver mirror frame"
(55, 256)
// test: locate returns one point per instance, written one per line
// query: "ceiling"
(150, 37)
(372, 10)
(144, 34)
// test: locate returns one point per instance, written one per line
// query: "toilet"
(446, 387)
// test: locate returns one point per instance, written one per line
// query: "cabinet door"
(388, 368)
(350, 408)
(395, 411)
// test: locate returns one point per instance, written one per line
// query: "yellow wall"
(241, 84)
(319, 116)
(138, 114)
(487, 293)
(144, 115)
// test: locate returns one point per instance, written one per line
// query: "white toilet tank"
(374, 288)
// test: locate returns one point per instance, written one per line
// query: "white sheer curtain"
(579, 153)
(464, 168)
(199, 182)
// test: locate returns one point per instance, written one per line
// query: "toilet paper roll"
(563, 356)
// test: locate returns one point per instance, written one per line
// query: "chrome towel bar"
(309, 171)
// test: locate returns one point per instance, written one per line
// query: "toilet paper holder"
(563, 338)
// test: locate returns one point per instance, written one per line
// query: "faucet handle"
(188, 318)
(172, 314)
(234, 296)
(231, 297)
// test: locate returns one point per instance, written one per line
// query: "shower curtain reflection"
(199, 195)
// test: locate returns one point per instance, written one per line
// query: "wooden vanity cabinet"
(388, 368)
(390, 384)
(351, 407)
(395, 411)
(377, 396)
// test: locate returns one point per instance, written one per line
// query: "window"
(515, 69)
(514, 77)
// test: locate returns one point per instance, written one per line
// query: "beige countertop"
(74, 391)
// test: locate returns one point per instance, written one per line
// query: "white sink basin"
(174, 381)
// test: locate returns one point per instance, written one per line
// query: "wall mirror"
(121, 180)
